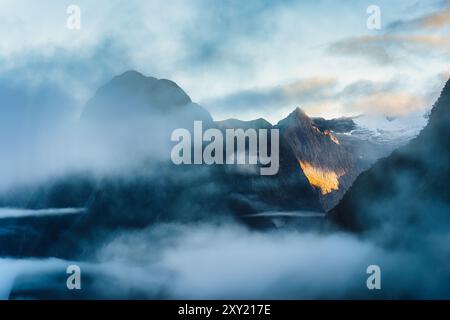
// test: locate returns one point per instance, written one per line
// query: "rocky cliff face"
(311, 151)
(251, 193)
(409, 189)
(329, 167)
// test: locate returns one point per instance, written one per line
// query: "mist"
(16, 213)
(44, 135)
(225, 260)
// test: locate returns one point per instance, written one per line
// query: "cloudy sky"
(245, 59)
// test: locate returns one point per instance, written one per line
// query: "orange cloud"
(308, 85)
(436, 20)
(429, 41)
(389, 104)
(386, 48)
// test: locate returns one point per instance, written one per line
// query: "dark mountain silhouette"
(135, 95)
(131, 119)
(409, 189)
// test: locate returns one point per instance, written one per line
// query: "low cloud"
(11, 270)
(227, 261)
(18, 213)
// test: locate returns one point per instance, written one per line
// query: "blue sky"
(244, 59)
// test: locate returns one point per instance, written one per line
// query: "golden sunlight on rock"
(331, 136)
(325, 180)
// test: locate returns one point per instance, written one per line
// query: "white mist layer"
(231, 262)
(20, 213)
(13, 269)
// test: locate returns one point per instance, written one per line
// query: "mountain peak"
(447, 86)
(298, 116)
(437, 129)
(300, 113)
(441, 109)
(132, 93)
(135, 83)
(130, 75)
(327, 165)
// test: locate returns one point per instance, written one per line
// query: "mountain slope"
(329, 167)
(288, 190)
(409, 189)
